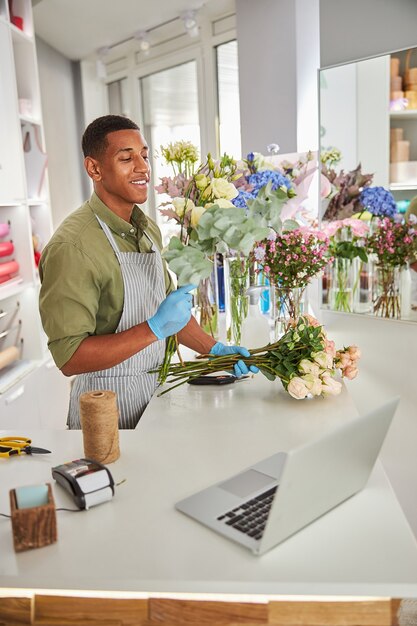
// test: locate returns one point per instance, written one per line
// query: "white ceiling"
(78, 28)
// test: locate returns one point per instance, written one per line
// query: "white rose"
(222, 203)
(330, 386)
(308, 367)
(221, 188)
(320, 358)
(196, 213)
(297, 388)
(313, 384)
(181, 205)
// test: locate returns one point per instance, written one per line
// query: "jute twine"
(99, 422)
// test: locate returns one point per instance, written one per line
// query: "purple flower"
(242, 198)
(378, 201)
(260, 179)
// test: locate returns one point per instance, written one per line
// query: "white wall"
(267, 74)
(355, 29)
(61, 114)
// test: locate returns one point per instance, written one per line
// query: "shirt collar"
(116, 223)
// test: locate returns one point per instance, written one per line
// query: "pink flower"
(354, 353)
(350, 372)
(297, 388)
(330, 347)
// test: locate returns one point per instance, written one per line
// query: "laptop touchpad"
(246, 483)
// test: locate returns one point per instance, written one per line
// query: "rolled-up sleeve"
(69, 298)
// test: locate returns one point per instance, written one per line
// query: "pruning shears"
(10, 446)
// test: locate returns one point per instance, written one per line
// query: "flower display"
(345, 201)
(393, 242)
(293, 258)
(378, 201)
(304, 360)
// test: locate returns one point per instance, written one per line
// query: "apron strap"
(108, 234)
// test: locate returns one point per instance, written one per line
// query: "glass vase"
(206, 308)
(386, 293)
(362, 285)
(341, 288)
(236, 282)
(287, 304)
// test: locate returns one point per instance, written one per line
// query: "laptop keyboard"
(250, 518)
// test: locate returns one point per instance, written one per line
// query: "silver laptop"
(273, 499)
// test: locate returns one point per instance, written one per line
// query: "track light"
(190, 23)
(144, 43)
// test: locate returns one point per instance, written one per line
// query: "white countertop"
(187, 440)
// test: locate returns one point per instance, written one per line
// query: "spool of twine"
(99, 422)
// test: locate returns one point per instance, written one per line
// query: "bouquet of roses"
(347, 238)
(304, 360)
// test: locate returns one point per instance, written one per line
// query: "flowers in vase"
(393, 244)
(348, 186)
(347, 242)
(293, 258)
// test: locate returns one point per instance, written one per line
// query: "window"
(228, 99)
(117, 95)
(170, 113)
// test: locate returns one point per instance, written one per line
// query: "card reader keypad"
(250, 518)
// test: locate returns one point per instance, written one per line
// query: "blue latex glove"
(240, 368)
(173, 313)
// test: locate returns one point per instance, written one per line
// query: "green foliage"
(348, 250)
(189, 263)
(266, 208)
(223, 229)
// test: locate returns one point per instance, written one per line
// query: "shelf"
(36, 201)
(407, 114)
(12, 287)
(403, 186)
(20, 36)
(29, 119)
(13, 373)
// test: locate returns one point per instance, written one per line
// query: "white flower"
(221, 188)
(308, 367)
(313, 384)
(297, 388)
(222, 203)
(196, 213)
(181, 205)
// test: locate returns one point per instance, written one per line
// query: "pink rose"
(354, 353)
(297, 388)
(330, 347)
(350, 372)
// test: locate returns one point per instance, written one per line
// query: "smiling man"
(107, 302)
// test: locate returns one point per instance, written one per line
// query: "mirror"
(368, 150)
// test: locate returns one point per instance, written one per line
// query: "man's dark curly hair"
(94, 141)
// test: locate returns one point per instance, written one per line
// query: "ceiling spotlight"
(144, 43)
(190, 23)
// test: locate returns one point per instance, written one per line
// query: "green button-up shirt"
(82, 286)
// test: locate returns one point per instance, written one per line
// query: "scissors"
(10, 446)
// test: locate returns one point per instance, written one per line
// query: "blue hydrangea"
(260, 179)
(378, 201)
(242, 198)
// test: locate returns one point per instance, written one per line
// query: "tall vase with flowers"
(192, 190)
(291, 260)
(393, 244)
(347, 243)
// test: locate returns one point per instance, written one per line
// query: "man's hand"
(173, 313)
(240, 368)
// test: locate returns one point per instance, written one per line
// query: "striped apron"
(144, 290)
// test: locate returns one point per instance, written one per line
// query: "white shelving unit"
(24, 205)
(407, 120)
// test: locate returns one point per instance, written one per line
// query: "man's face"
(121, 174)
